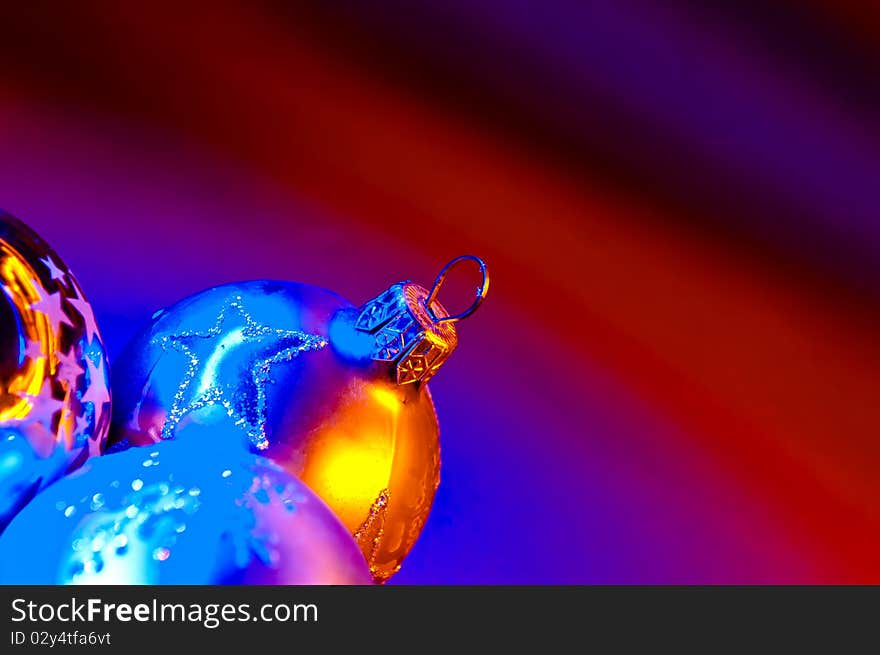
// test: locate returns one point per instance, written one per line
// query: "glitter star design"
(54, 271)
(372, 529)
(50, 305)
(81, 305)
(231, 364)
(69, 368)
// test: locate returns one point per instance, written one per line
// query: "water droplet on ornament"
(195, 491)
(131, 511)
(70, 511)
(226, 473)
(115, 484)
(261, 551)
(97, 501)
(180, 528)
(60, 505)
(93, 565)
(137, 484)
(121, 544)
(147, 463)
(161, 554)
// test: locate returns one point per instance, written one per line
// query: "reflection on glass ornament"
(335, 394)
(54, 391)
(180, 512)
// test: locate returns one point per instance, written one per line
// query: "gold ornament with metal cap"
(335, 394)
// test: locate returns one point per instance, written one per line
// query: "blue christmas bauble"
(179, 513)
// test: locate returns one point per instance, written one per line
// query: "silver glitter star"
(233, 363)
(95, 391)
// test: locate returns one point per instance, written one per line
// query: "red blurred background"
(675, 377)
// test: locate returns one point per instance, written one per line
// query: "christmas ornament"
(180, 513)
(335, 394)
(54, 391)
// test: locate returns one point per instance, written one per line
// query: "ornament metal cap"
(411, 329)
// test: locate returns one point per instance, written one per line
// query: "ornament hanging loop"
(481, 292)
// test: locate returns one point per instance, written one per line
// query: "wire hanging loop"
(482, 290)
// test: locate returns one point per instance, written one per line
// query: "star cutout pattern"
(81, 305)
(69, 368)
(58, 335)
(97, 394)
(50, 305)
(81, 424)
(34, 350)
(55, 272)
(240, 388)
(96, 391)
(45, 405)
